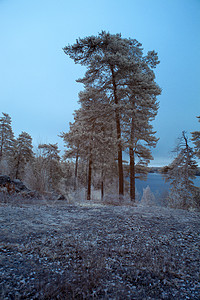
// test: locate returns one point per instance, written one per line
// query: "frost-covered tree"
(90, 136)
(101, 55)
(181, 173)
(96, 115)
(117, 66)
(72, 141)
(50, 163)
(138, 133)
(23, 153)
(6, 137)
(196, 141)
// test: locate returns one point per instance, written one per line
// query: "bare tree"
(181, 173)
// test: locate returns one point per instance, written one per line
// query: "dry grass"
(62, 251)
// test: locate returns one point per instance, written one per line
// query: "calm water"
(157, 184)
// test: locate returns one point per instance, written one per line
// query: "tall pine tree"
(117, 66)
(7, 140)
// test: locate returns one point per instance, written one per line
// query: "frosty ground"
(60, 251)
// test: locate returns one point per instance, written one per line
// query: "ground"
(61, 251)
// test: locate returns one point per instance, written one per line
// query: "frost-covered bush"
(36, 177)
(196, 198)
(148, 198)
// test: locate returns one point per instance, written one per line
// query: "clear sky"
(38, 86)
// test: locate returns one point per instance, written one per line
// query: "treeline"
(41, 170)
(117, 105)
(159, 170)
(46, 171)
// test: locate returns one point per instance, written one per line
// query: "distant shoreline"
(158, 170)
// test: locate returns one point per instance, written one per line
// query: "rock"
(4, 179)
(6, 184)
(16, 186)
(61, 197)
(32, 194)
(19, 186)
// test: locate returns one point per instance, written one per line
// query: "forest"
(117, 107)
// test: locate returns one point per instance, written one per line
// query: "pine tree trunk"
(120, 170)
(17, 170)
(132, 174)
(89, 180)
(76, 172)
(102, 185)
(186, 168)
(1, 148)
(187, 160)
(117, 120)
(102, 190)
(132, 164)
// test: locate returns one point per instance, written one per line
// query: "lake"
(157, 184)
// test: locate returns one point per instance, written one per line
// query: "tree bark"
(132, 174)
(186, 167)
(132, 163)
(118, 126)
(187, 161)
(1, 148)
(89, 180)
(76, 171)
(102, 190)
(102, 185)
(17, 169)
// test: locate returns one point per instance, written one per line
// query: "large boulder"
(16, 186)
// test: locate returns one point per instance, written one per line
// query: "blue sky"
(38, 86)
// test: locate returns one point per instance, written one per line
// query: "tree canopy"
(117, 67)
